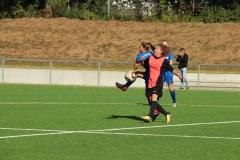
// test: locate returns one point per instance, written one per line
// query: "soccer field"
(41, 122)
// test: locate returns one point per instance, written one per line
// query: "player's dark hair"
(145, 45)
(182, 49)
(152, 47)
(166, 50)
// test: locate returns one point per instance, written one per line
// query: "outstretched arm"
(167, 66)
(177, 74)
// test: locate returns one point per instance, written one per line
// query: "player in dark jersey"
(157, 64)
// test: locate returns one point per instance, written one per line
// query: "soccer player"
(168, 76)
(144, 52)
(157, 65)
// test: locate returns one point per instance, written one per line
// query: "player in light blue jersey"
(144, 52)
(168, 76)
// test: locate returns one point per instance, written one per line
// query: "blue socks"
(129, 83)
(173, 95)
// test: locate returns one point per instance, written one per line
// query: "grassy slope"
(70, 39)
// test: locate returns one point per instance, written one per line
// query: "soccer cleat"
(120, 86)
(168, 117)
(174, 104)
(187, 87)
(155, 116)
(146, 118)
(181, 88)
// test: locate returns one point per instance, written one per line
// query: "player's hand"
(179, 76)
(135, 66)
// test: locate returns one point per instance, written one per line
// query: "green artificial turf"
(41, 122)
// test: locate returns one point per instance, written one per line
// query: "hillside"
(69, 39)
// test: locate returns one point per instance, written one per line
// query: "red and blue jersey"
(157, 66)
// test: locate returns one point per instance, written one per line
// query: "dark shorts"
(146, 77)
(155, 90)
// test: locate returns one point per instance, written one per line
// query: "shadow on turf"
(132, 117)
(129, 117)
(142, 104)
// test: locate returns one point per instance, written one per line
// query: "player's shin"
(129, 83)
(173, 95)
(160, 109)
(153, 107)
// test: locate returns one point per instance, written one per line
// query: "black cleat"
(120, 86)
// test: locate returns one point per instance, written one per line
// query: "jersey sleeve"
(145, 55)
(138, 59)
(166, 65)
(171, 56)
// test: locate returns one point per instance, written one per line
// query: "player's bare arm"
(177, 74)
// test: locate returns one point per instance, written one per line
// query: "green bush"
(79, 14)
(4, 15)
(235, 12)
(126, 15)
(57, 7)
(87, 15)
(214, 14)
(166, 18)
(17, 10)
(97, 9)
(31, 11)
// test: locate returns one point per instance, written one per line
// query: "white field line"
(38, 130)
(64, 103)
(121, 129)
(104, 131)
(130, 134)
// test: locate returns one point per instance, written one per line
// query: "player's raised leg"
(125, 86)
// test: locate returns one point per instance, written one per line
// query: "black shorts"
(155, 90)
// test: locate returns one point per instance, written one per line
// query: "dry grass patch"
(70, 39)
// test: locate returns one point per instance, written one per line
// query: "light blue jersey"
(168, 75)
(169, 57)
(143, 54)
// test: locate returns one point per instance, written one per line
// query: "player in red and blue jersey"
(145, 54)
(168, 76)
(157, 65)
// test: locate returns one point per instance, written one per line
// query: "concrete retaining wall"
(108, 78)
